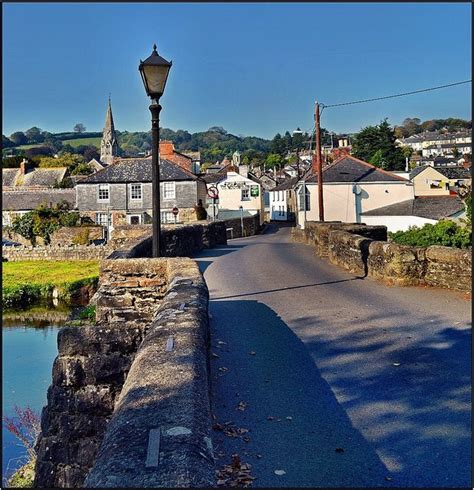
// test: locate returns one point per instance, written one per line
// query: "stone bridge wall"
(364, 250)
(117, 382)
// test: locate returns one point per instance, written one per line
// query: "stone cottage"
(122, 193)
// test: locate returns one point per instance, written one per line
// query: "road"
(343, 381)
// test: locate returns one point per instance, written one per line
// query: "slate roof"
(27, 200)
(351, 169)
(213, 178)
(36, 177)
(287, 184)
(448, 172)
(430, 207)
(137, 170)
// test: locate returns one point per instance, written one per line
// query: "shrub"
(87, 313)
(445, 232)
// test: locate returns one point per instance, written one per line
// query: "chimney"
(166, 149)
(24, 166)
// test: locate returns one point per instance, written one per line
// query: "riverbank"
(29, 282)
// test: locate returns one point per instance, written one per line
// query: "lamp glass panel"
(155, 77)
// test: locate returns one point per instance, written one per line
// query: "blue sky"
(255, 69)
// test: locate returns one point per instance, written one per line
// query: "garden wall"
(52, 252)
(140, 373)
(363, 250)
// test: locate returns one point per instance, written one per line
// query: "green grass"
(83, 141)
(27, 282)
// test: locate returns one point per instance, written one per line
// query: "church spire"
(108, 146)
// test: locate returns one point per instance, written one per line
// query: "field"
(27, 282)
(94, 141)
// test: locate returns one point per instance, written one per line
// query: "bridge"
(315, 375)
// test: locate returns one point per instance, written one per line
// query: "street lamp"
(295, 132)
(154, 71)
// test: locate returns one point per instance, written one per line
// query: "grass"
(93, 141)
(27, 282)
(23, 477)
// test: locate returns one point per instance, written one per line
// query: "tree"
(53, 143)
(38, 151)
(6, 142)
(34, 135)
(374, 138)
(79, 128)
(19, 138)
(90, 152)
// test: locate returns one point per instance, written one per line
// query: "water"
(29, 348)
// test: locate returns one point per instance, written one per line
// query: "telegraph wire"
(323, 106)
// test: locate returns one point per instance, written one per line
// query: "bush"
(87, 313)
(445, 232)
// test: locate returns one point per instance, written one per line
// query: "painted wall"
(397, 223)
(340, 202)
(230, 194)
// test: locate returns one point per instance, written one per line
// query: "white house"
(415, 212)
(350, 187)
(282, 201)
(238, 195)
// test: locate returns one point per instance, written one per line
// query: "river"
(29, 348)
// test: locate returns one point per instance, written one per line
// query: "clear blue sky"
(255, 69)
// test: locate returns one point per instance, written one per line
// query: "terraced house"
(122, 193)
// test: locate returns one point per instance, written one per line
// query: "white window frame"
(103, 187)
(247, 191)
(135, 187)
(108, 219)
(167, 187)
(130, 216)
(168, 217)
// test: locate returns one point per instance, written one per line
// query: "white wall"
(397, 223)
(278, 206)
(340, 201)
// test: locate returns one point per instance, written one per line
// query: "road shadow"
(295, 422)
(410, 389)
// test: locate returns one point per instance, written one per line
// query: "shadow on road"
(289, 288)
(308, 435)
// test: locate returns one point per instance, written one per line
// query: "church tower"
(108, 146)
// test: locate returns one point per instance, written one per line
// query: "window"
(103, 219)
(245, 196)
(135, 219)
(136, 192)
(104, 194)
(169, 190)
(168, 217)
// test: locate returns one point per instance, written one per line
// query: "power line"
(397, 95)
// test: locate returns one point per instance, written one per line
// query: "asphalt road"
(344, 381)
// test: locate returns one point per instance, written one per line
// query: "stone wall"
(364, 250)
(177, 241)
(94, 420)
(65, 236)
(49, 252)
(251, 226)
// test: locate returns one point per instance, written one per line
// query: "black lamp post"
(154, 71)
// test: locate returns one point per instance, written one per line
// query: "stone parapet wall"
(251, 226)
(364, 250)
(50, 252)
(141, 303)
(164, 402)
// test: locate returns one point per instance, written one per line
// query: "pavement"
(339, 380)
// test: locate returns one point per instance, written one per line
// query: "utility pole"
(317, 163)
